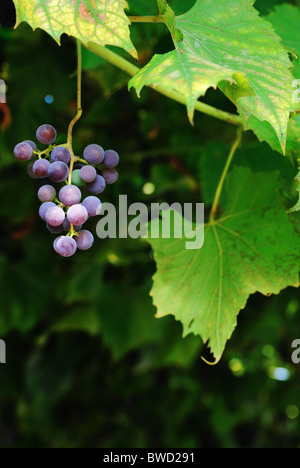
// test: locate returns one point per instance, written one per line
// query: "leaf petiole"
(224, 174)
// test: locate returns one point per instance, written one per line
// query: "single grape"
(58, 171)
(70, 195)
(46, 193)
(111, 159)
(32, 144)
(30, 170)
(94, 154)
(98, 186)
(60, 153)
(46, 134)
(67, 226)
(43, 209)
(77, 214)
(23, 151)
(76, 179)
(88, 174)
(55, 216)
(110, 175)
(84, 240)
(40, 168)
(93, 205)
(65, 246)
(55, 229)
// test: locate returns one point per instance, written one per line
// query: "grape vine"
(64, 213)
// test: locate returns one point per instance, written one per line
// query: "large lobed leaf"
(219, 40)
(252, 248)
(285, 20)
(103, 21)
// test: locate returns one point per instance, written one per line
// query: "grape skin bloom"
(23, 151)
(65, 246)
(70, 195)
(88, 174)
(58, 171)
(60, 153)
(41, 168)
(111, 159)
(84, 240)
(44, 207)
(55, 216)
(46, 193)
(77, 214)
(46, 134)
(93, 205)
(94, 154)
(32, 144)
(110, 175)
(98, 186)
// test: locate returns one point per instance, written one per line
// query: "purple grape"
(67, 226)
(43, 209)
(70, 195)
(98, 186)
(65, 246)
(110, 175)
(58, 171)
(30, 170)
(55, 242)
(55, 216)
(23, 151)
(84, 240)
(88, 174)
(60, 153)
(55, 229)
(94, 154)
(77, 214)
(93, 205)
(111, 159)
(32, 144)
(46, 193)
(46, 134)
(40, 168)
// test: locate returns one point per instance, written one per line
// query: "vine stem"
(79, 109)
(235, 146)
(146, 19)
(132, 70)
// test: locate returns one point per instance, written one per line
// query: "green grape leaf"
(297, 206)
(103, 22)
(213, 44)
(285, 20)
(265, 132)
(253, 247)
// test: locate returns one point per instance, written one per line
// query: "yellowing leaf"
(221, 40)
(103, 21)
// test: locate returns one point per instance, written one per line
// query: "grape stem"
(132, 70)
(78, 159)
(235, 146)
(79, 109)
(146, 19)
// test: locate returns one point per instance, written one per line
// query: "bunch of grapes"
(62, 208)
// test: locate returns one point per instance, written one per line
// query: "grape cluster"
(62, 209)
